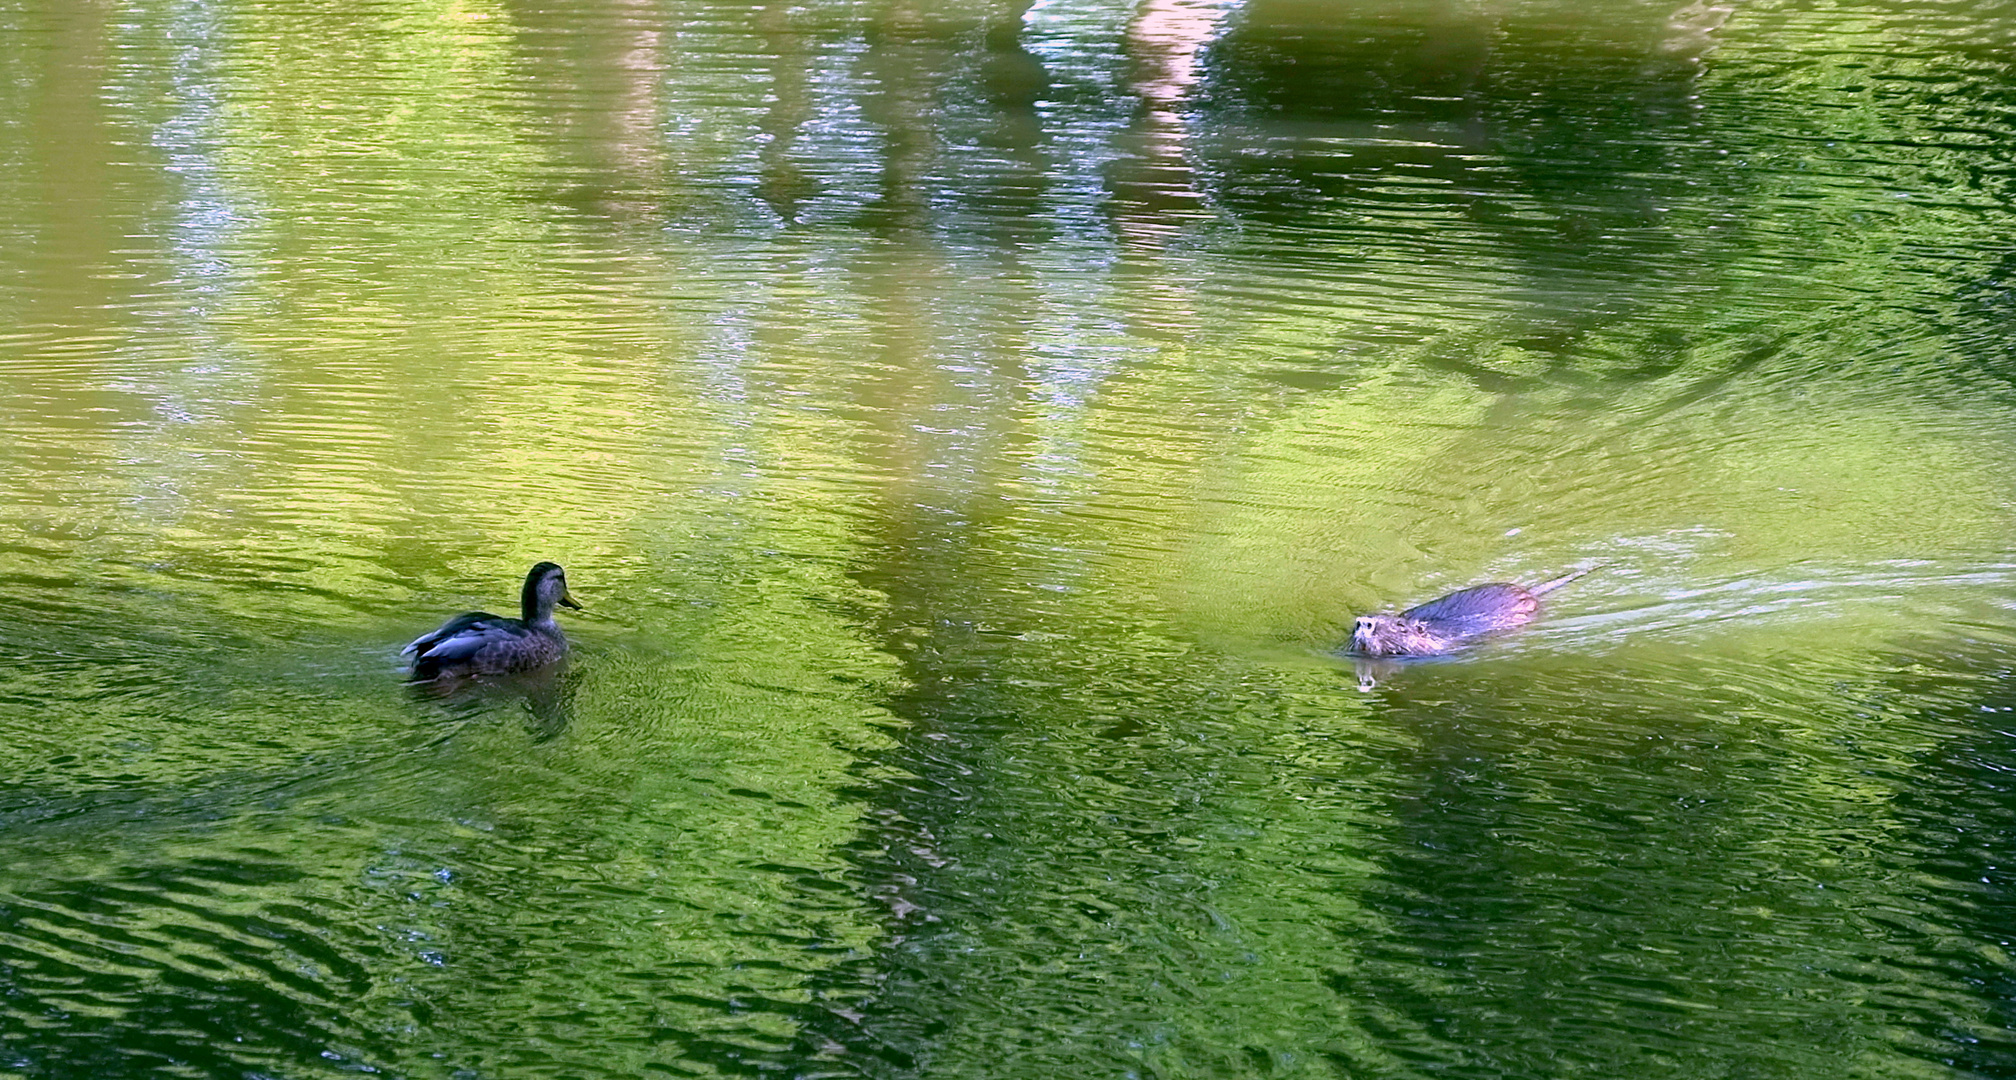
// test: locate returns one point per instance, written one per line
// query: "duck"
(479, 643)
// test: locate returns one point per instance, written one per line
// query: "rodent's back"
(1477, 610)
(1446, 622)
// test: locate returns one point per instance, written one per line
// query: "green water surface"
(971, 428)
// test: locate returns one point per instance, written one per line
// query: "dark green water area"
(972, 427)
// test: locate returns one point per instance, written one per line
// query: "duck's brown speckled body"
(480, 643)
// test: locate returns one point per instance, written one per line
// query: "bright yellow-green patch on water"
(1401, 488)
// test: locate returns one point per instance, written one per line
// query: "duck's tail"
(1546, 587)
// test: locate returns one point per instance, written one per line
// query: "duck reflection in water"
(546, 694)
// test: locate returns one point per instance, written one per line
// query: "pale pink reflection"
(1157, 188)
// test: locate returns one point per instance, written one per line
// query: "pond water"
(971, 429)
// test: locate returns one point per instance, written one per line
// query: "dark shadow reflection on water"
(1561, 855)
(546, 695)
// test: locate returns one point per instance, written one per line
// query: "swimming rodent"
(1441, 625)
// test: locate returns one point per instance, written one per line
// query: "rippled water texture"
(971, 428)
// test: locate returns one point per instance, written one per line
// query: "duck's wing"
(461, 636)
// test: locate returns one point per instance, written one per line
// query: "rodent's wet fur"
(1453, 620)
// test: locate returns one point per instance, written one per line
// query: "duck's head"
(545, 586)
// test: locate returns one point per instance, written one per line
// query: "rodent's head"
(1379, 635)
